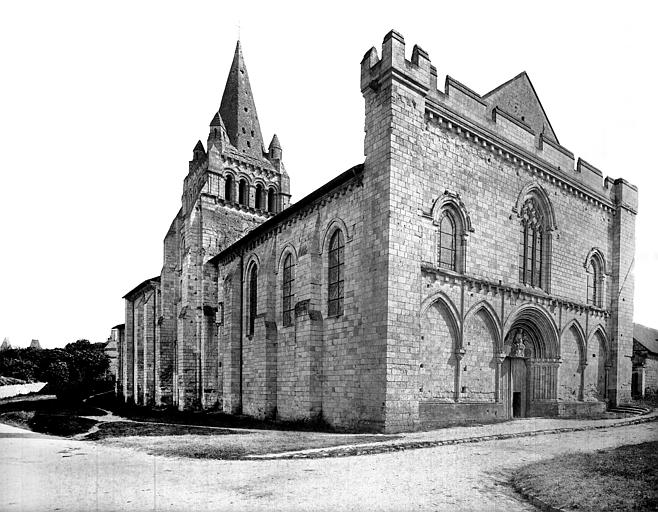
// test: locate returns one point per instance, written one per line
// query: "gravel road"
(48, 473)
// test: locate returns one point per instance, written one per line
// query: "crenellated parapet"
(509, 120)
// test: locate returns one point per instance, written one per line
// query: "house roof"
(141, 285)
(647, 337)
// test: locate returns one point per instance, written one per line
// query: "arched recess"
(441, 296)
(570, 374)
(481, 342)
(596, 371)
(580, 338)
(332, 226)
(485, 307)
(437, 352)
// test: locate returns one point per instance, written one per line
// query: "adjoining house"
(645, 361)
(469, 269)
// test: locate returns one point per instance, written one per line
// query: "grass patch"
(130, 429)
(624, 478)
(213, 443)
(48, 416)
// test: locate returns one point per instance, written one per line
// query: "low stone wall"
(20, 389)
(439, 414)
(575, 409)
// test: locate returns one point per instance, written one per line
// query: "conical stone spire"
(238, 110)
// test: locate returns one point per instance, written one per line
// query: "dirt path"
(47, 473)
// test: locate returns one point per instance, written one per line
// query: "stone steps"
(631, 409)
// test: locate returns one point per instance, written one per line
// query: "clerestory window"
(531, 247)
(288, 294)
(336, 274)
(447, 242)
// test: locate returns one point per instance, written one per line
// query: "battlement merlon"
(625, 195)
(417, 73)
(482, 116)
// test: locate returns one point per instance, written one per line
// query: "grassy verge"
(625, 478)
(48, 416)
(203, 419)
(216, 443)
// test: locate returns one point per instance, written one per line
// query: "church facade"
(471, 269)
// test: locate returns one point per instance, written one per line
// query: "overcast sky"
(101, 104)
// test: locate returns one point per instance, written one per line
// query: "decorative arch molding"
(600, 331)
(447, 302)
(452, 201)
(488, 309)
(252, 260)
(248, 179)
(580, 338)
(230, 171)
(334, 224)
(537, 319)
(597, 255)
(288, 248)
(534, 189)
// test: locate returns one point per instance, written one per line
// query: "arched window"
(271, 207)
(242, 192)
(259, 197)
(228, 188)
(336, 273)
(594, 282)
(531, 247)
(447, 242)
(287, 288)
(253, 298)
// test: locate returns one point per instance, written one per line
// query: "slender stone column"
(500, 359)
(459, 355)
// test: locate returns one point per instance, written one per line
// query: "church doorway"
(528, 382)
(515, 379)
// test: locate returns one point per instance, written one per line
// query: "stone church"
(470, 269)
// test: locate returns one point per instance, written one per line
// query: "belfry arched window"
(447, 242)
(288, 305)
(228, 188)
(336, 276)
(271, 207)
(242, 192)
(259, 197)
(532, 247)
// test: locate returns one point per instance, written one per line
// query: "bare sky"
(101, 104)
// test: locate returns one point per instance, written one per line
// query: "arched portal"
(530, 366)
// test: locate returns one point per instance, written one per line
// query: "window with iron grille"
(288, 295)
(594, 294)
(447, 243)
(336, 273)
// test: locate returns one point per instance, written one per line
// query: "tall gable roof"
(519, 98)
(238, 110)
(646, 336)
